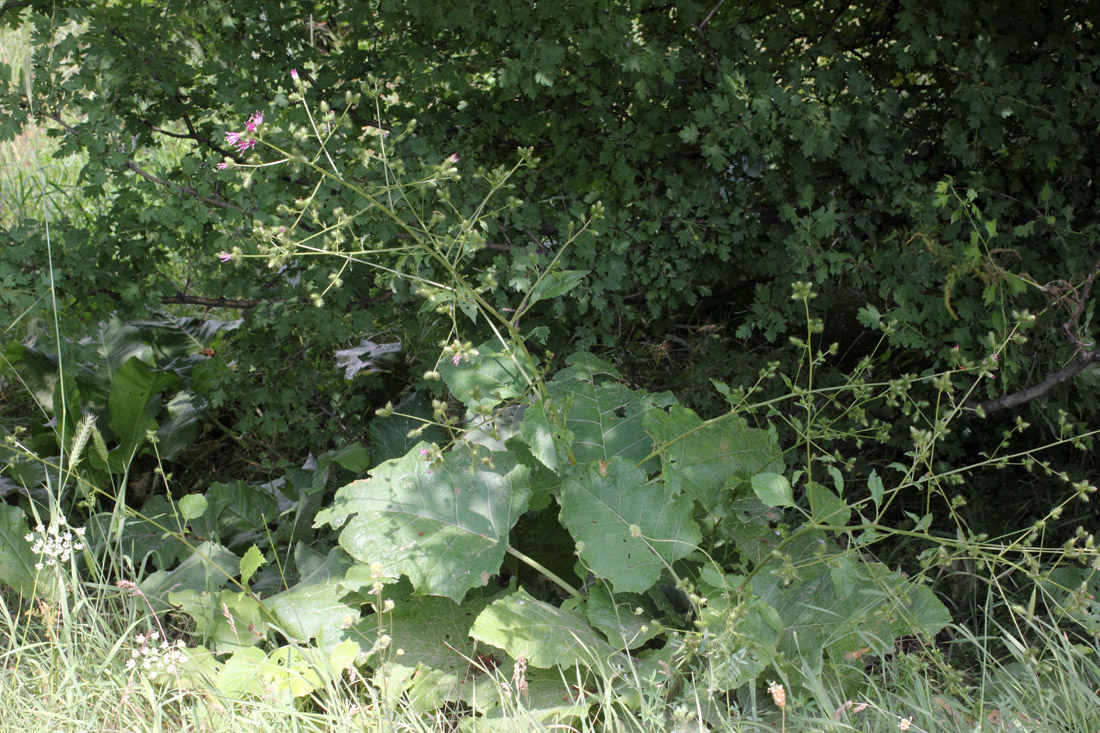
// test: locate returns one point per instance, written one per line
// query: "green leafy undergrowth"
(690, 552)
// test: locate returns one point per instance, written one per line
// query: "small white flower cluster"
(153, 657)
(55, 544)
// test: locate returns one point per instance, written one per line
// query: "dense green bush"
(735, 148)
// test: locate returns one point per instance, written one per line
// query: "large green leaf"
(312, 608)
(618, 618)
(134, 402)
(552, 701)
(237, 514)
(433, 636)
(228, 619)
(841, 605)
(149, 534)
(699, 459)
(389, 435)
(17, 562)
(543, 634)
(209, 567)
(444, 525)
(484, 381)
(605, 419)
(627, 530)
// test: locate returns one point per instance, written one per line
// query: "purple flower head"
(456, 359)
(254, 121)
(232, 137)
(454, 158)
(244, 145)
(425, 452)
(224, 256)
(222, 166)
(294, 74)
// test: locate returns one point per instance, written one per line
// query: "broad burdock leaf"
(207, 569)
(227, 620)
(606, 419)
(542, 436)
(617, 617)
(543, 634)
(434, 667)
(134, 401)
(312, 607)
(444, 524)
(699, 459)
(484, 381)
(840, 605)
(627, 531)
(17, 561)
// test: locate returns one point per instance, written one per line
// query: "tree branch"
(184, 189)
(1005, 402)
(221, 203)
(182, 299)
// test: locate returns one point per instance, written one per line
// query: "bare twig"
(1049, 382)
(182, 299)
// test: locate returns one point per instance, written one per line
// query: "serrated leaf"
(444, 525)
(192, 506)
(874, 486)
(542, 437)
(699, 459)
(628, 530)
(825, 506)
(773, 489)
(543, 634)
(553, 702)
(584, 367)
(605, 419)
(227, 619)
(241, 673)
(251, 562)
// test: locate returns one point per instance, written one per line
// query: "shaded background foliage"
(934, 161)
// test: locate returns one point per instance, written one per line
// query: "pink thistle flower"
(454, 158)
(232, 137)
(456, 359)
(222, 166)
(254, 121)
(424, 452)
(244, 145)
(224, 256)
(294, 74)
